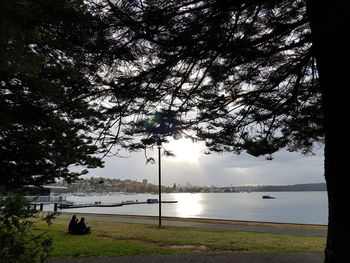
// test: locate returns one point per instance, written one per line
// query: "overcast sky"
(192, 166)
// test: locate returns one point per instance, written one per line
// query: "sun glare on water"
(189, 205)
(184, 149)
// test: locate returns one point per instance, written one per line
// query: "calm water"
(288, 207)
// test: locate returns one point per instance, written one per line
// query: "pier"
(66, 205)
(98, 204)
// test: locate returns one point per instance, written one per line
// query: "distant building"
(145, 181)
(45, 193)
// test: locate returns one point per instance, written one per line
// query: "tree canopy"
(49, 114)
(240, 75)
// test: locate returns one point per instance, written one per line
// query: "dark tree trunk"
(331, 47)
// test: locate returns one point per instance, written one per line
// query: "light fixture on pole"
(159, 144)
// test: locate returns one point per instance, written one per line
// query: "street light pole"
(160, 183)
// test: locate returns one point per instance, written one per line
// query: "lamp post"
(156, 126)
(159, 144)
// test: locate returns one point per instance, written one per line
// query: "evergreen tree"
(49, 114)
(253, 76)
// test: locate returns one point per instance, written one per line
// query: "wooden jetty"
(98, 204)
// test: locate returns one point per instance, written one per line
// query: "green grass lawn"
(121, 239)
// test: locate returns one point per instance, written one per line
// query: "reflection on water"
(288, 207)
(189, 205)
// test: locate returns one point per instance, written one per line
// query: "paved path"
(221, 226)
(307, 257)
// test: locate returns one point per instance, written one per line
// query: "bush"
(18, 243)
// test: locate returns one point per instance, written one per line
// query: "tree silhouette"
(253, 76)
(48, 115)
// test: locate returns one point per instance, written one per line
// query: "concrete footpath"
(281, 229)
(300, 257)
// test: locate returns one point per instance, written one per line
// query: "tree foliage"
(48, 90)
(240, 75)
(18, 242)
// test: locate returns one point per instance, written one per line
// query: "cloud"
(219, 169)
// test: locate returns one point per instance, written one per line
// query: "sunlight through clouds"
(185, 150)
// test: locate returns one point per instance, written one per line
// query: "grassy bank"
(208, 220)
(122, 239)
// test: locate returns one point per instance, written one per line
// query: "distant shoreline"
(314, 187)
(104, 185)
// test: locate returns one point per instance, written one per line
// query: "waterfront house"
(45, 194)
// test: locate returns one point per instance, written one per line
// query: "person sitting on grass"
(82, 228)
(72, 227)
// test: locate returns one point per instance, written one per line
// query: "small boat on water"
(152, 201)
(268, 197)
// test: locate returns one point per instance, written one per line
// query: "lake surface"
(288, 207)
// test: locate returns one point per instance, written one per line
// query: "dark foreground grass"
(121, 239)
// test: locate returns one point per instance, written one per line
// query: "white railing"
(45, 198)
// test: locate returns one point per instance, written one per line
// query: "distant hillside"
(295, 187)
(283, 188)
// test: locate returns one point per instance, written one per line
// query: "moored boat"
(268, 197)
